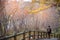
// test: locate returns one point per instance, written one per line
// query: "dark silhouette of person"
(48, 31)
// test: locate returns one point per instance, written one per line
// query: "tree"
(3, 17)
(57, 2)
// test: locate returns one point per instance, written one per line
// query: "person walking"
(49, 31)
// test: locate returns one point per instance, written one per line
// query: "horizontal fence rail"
(30, 35)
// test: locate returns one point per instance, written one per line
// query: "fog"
(19, 19)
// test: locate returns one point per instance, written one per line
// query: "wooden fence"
(30, 35)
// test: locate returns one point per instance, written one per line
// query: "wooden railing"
(29, 35)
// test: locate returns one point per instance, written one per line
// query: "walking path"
(49, 39)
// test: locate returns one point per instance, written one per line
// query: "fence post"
(54, 35)
(29, 34)
(24, 36)
(38, 34)
(46, 34)
(41, 34)
(15, 36)
(34, 34)
(59, 35)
